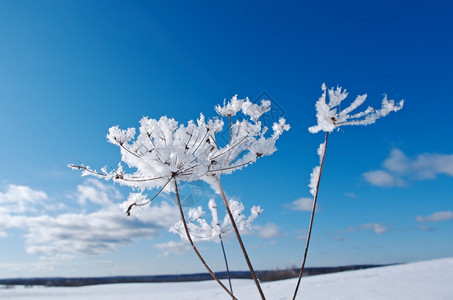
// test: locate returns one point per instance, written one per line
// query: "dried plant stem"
(312, 217)
(195, 247)
(238, 236)
(226, 263)
(229, 122)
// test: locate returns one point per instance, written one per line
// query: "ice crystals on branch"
(330, 116)
(247, 141)
(164, 150)
(231, 108)
(248, 138)
(314, 176)
(201, 230)
(235, 105)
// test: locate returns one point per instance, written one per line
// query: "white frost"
(330, 117)
(200, 230)
(164, 150)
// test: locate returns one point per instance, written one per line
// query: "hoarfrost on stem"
(201, 230)
(330, 117)
(315, 173)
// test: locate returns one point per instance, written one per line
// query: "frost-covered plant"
(247, 142)
(330, 117)
(163, 150)
(165, 153)
(201, 230)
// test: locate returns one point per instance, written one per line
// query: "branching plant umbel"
(165, 153)
(330, 117)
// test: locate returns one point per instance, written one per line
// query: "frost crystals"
(164, 150)
(200, 230)
(329, 117)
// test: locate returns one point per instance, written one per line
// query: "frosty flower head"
(201, 230)
(248, 140)
(330, 117)
(164, 150)
(235, 105)
(255, 111)
(231, 108)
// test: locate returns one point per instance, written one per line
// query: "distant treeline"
(268, 275)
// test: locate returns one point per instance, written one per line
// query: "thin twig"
(150, 139)
(311, 218)
(201, 142)
(82, 167)
(229, 168)
(229, 122)
(214, 140)
(122, 146)
(231, 148)
(128, 211)
(226, 263)
(189, 238)
(140, 180)
(111, 176)
(238, 236)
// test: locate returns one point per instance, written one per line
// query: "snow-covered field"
(421, 280)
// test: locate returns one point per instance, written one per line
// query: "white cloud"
(97, 193)
(350, 195)
(382, 178)
(302, 204)
(377, 228)
(19, 198)
(172, 247)
(428, 166)
(436, 217)
(268, 231)
(93, 232)
(397, 162)
(399, 168)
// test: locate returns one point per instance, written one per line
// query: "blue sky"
(69, 70)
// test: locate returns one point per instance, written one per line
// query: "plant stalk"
(229, 122)
(193, 245)
(226, 263)
(238, 236)
(312, 217)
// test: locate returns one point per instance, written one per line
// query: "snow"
(422, 280)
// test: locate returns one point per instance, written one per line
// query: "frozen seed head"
(162, 150)
(329, 116)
